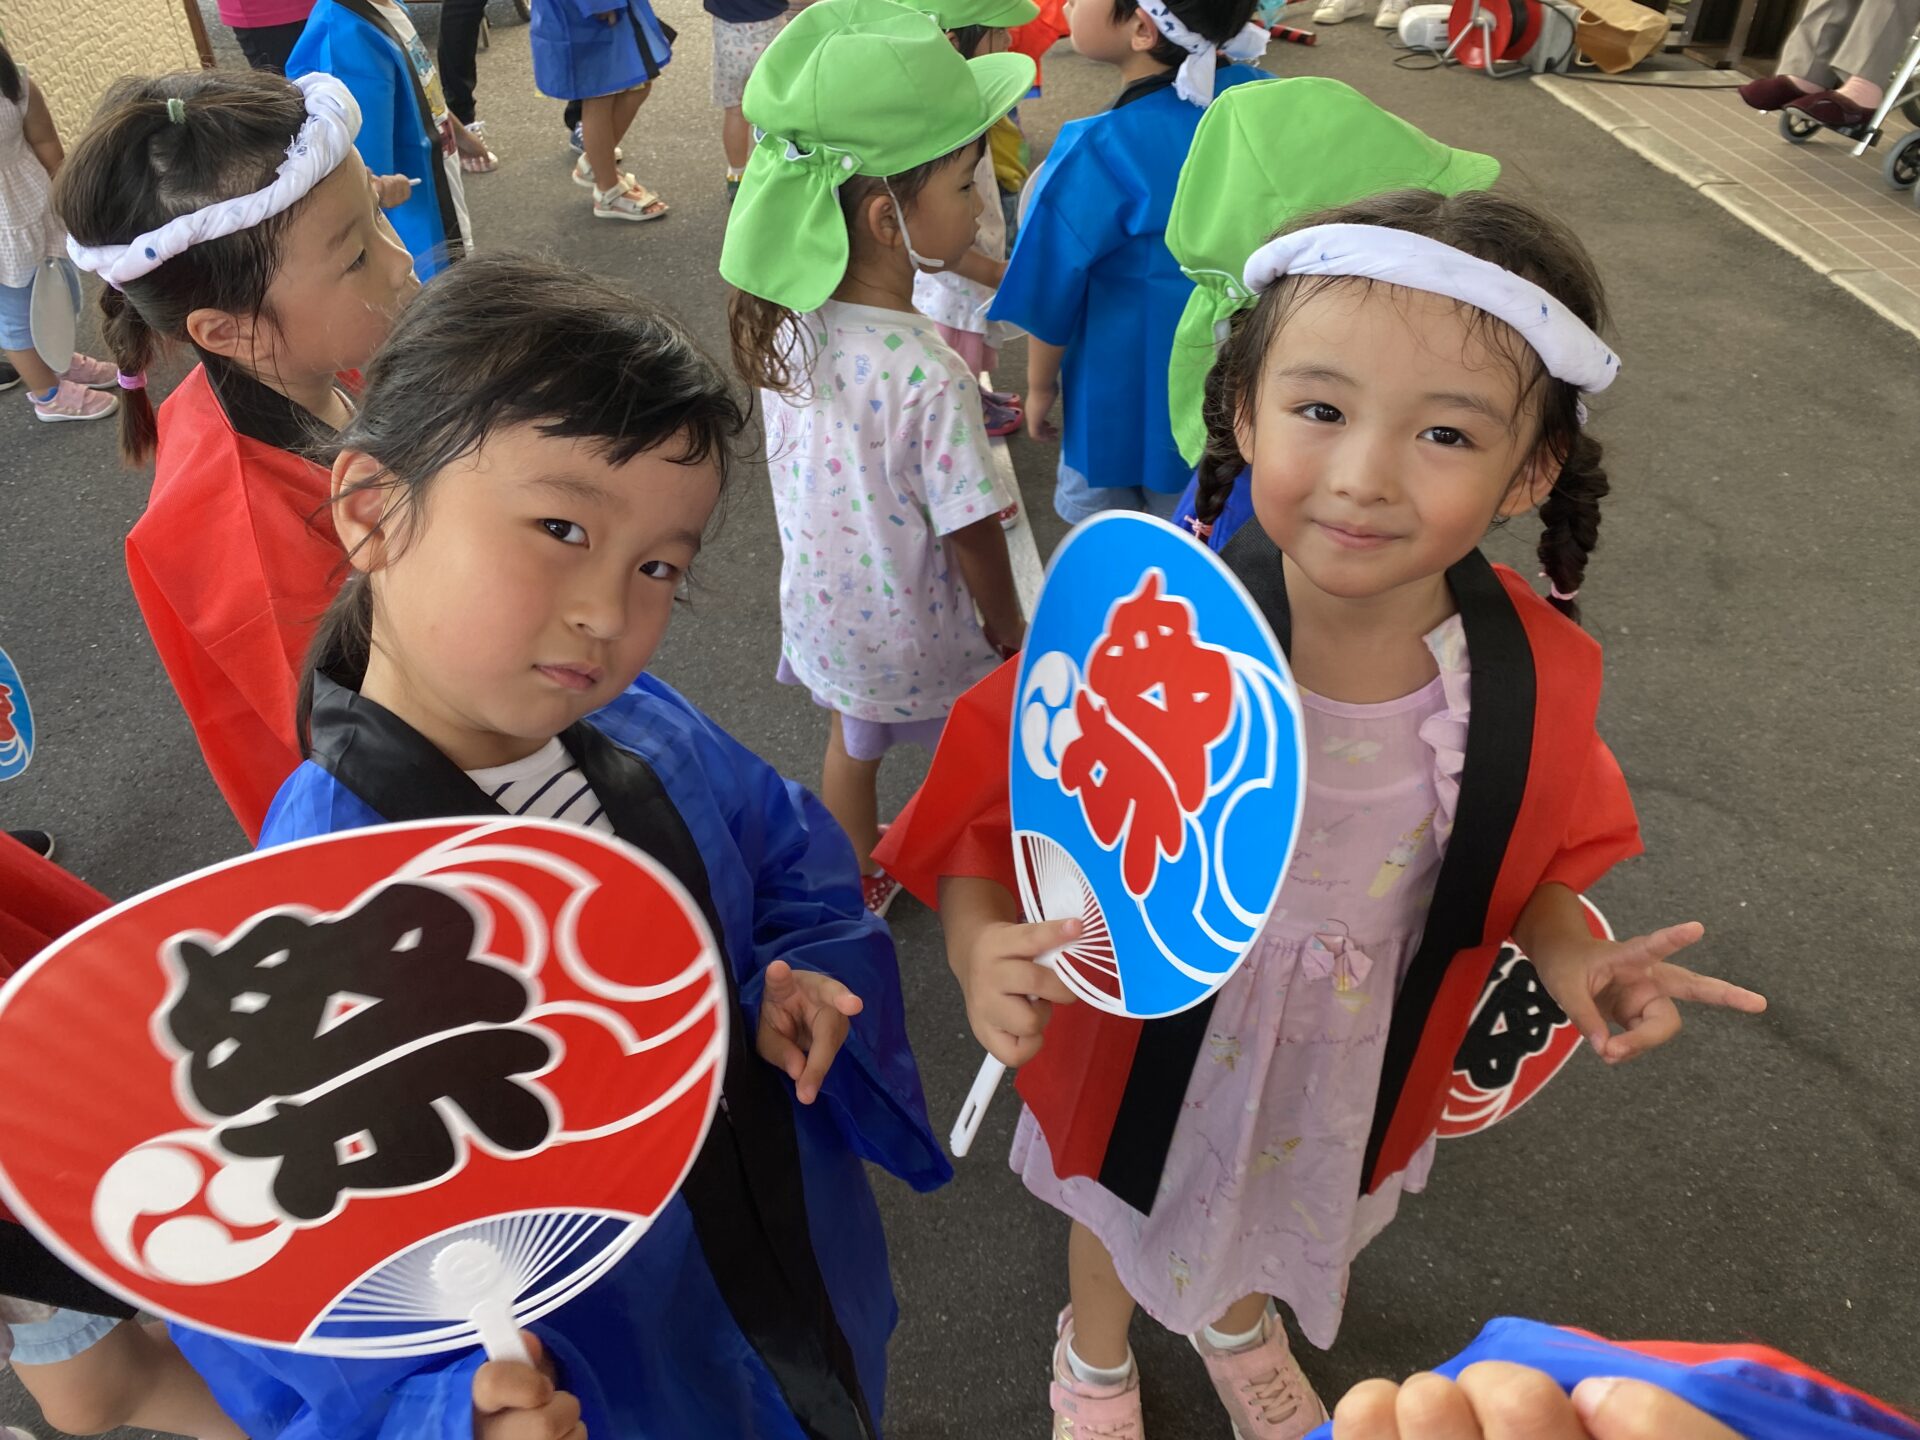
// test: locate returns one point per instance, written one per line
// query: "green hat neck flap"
(994, 14)
(850, 87)
(1265, 155)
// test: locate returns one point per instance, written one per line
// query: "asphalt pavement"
(1756, 1181)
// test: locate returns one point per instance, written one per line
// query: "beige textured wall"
(76, 48)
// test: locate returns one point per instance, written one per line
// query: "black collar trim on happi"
(745, 1189)
(1493, 784)
(1140, 89)
(259, 412)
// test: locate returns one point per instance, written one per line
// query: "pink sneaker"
(879, 890)
(1266, 1396)
(73, 401)
(1092, 1412)
(94, 374)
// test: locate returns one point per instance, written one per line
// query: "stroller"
(1902, 167)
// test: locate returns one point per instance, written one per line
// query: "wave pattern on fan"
(550, 1257)
(1053, 887)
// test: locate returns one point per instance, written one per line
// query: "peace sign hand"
(1629, 983)
(804, 1019)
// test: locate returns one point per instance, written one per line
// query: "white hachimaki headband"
(1194, 82)
(1566, 345)
(333, 120)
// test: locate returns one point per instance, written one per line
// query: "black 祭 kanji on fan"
(384, 1130)
(295, 1004)
(1513, 1022)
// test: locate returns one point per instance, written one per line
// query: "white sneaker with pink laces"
(1092, 1412)
(94, 374)
(74, 401)
(1266, 1396)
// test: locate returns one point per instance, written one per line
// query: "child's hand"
(1010, 996)
(803, 1022)
(1498, 1401)
(393, 190)
(512, 1401)
(1039, 405)
(1601, 983)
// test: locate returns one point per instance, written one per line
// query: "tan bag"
(1618, 34)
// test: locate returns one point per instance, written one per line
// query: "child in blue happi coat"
(604, 56)
(406, 128)
(521, 495)
(1090, 278)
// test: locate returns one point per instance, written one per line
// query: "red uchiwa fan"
(383, 1093)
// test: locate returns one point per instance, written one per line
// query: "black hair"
(500, 341)
(966, 39)
(766, 336)
(1496, 228)
(135, 169)
(10, 85)
(1215, 20)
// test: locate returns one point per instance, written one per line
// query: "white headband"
(333, 120)
(1194, 83)
(1566, 346)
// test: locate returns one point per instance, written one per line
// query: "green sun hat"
(1265, 154)
(850, 87)
(994, 14)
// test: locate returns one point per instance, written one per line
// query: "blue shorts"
(1075, 500)
(16, 313)
(66, 1334)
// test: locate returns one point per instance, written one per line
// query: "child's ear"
(221, 333)
(1144, 34)
(361, 509)
(1535, 482)
(880, 217)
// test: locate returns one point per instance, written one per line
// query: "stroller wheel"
(1795, 128)
(1902, 167)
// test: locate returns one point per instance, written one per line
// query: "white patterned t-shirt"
(883, 453)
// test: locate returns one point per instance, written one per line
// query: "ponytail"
(10, 85)
(134, 348)
(1570, 522)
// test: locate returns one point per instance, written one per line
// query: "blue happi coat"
(656, 1348)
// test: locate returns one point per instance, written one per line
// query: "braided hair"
(1496, 228)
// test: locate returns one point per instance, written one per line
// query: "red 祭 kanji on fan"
(1155, 700)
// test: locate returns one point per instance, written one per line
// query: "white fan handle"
(975, 1110)
(498, 1333)
(472, 1276)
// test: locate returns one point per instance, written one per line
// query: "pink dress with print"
(1261, 1191)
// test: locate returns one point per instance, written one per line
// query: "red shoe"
(1005, 414)
(1771, 92)
(1832, 109)
(879, 890)
(1010, 516)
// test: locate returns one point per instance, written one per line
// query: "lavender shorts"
(871, 739)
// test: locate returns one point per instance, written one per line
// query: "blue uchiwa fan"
(1157, 771)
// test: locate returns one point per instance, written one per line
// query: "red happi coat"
(1542, 800)
(233, 564)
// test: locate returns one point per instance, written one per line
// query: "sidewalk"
(1834, 211)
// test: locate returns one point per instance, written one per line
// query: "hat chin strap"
(900, 214)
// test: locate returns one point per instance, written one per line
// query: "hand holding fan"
(383, 1093)
(1157, 776)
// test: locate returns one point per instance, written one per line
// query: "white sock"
(1221, 1341)
(1092, 1374)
